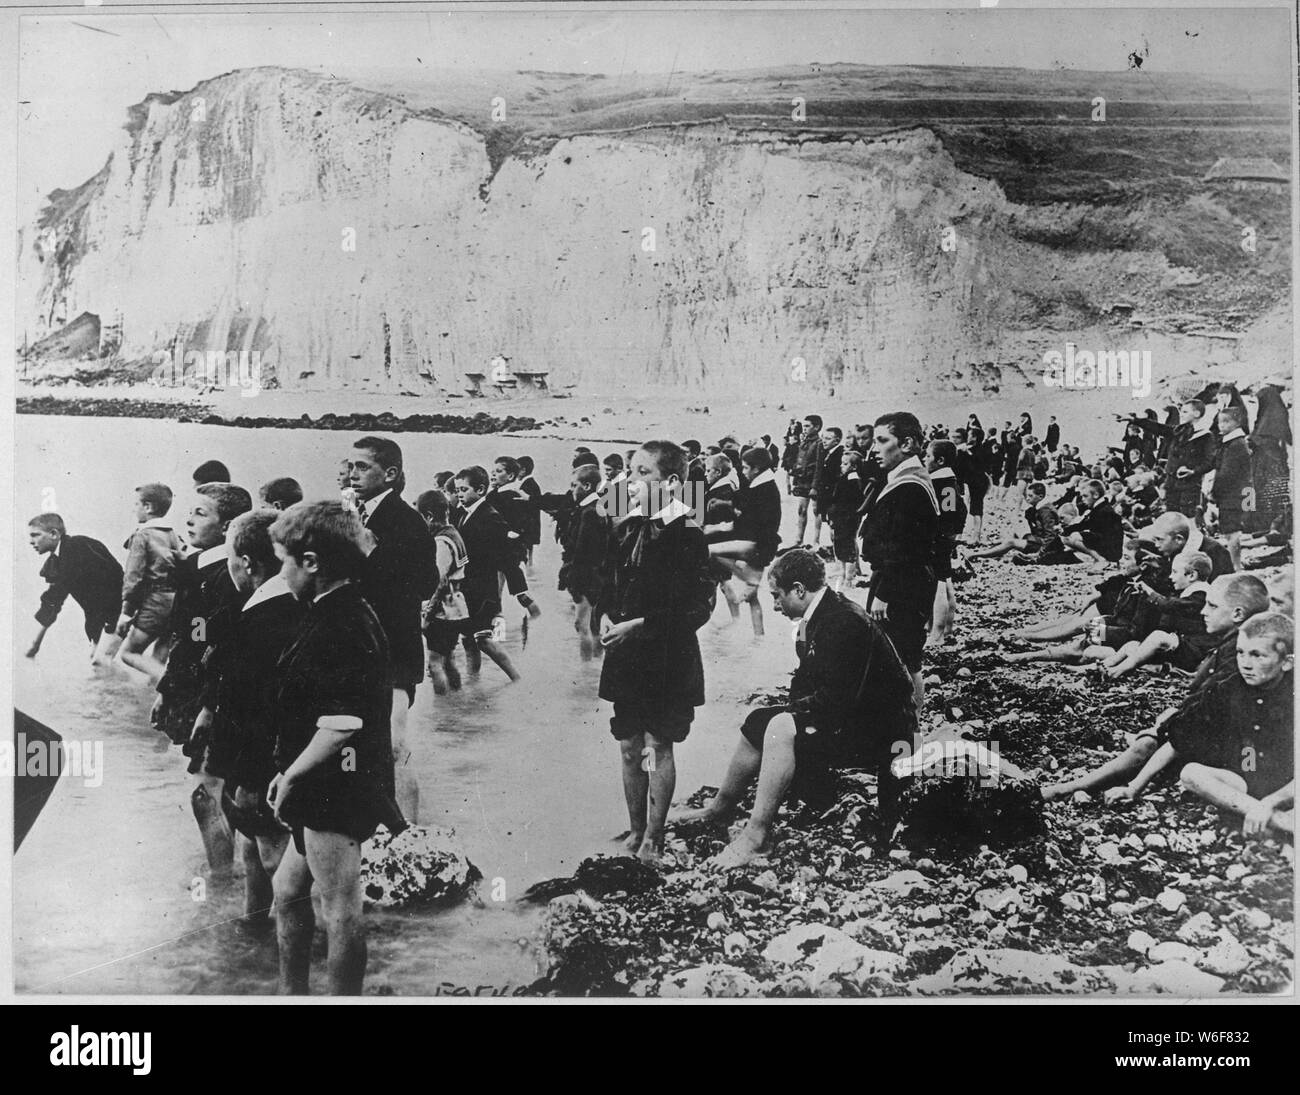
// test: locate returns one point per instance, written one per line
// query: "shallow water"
(111, 893)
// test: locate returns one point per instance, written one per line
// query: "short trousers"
(1232, 520)
(977, 493)
(326, 810)
(1191, 651)
(907, 623)
(101, 620)
(155, 613)
(249, 813)
(800, 490)
(441, 636)
(1025, 476)
(815, 753)
(845, 543)
(666, 722)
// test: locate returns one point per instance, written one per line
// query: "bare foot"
(704, 815)
(1052, 792)
(650, 854)
(631, 842)
(739, 853)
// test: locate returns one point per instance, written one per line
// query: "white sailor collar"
(274, 586)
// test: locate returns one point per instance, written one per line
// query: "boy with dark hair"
(1192, 454)
(332, 752)
(659, 594)
(826, 477)
(211, 471)
(446, 612)
(280, 494)
(83, 569)
(153, 553)
(583, 550)
(897, 538)
(506, 498)
(487, 540)
(250, 636)
(940, 459)
(844, 520)
(1233, 492)
(850, 701)
(1043, 524)
(1235, 743)
(400, 574)
(806, 460)
(1231, 600)
(532, 513)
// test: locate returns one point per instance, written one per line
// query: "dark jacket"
(399, 576)
(201, 594)
(898, 538)
(850, 682)
(828, 473)
(85, 570)
(1053, 437)
(659, 572)
(487, 539)
(758, 517)
(242, 670)
(583, 551)
(1102, 530)
(532, 513)
(1232, 476)
(1194, 451)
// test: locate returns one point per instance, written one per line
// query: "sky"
(79, 73)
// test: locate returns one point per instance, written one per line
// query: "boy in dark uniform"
(940, 462)
(333, 755)
(1192, 454)
(83, 569)
(582, 553)
(1235, 744)
(659, 594)
(241, 685)
(532, 513)
(401, 573)
(1233, 491)
(850, 701)
(898, 536)
(204, 587)
(487, 540)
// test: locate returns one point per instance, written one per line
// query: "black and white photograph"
(597, 501)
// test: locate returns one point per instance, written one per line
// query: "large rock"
(578, 954)
(827, 951)
(420, 864)
(962, 792)
(1174, 978)
(1011, 971)
(712, 980)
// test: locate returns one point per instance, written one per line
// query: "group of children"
(286, 640)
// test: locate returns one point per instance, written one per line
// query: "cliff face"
(356, 240)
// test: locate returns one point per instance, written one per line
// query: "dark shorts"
(666, 722)
(815, 754)
(800, 490)
(323, 808)
(101, 620)
(1192, 650)
(907, 623)
(1232, 520)
(845, 543)
(441, 636)
(977, 493)
(155, 613)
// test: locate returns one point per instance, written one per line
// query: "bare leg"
(473, 656)
(133, 654)
(776, 771)
(335, 861)
(1140, 653)
(218, 843)
(801, 520)
(294, 921)
(106, 649)
(1054, 630)
(662, 784)
(406, 789)
(733, 601)
(1233, 544)
(1227, 790)
(636, 788)
(493, 650)
(1070, 652)
(1121, 768)
(741, 772)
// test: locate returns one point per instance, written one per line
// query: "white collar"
(159, 522)
(802, 622)
(761, 478)
(902, 466)
(674, 510)
(57, 548)
(1195, 538)
(1232, 436)
(274, 586)
(1196, 587)
(341, 585)
(1201, 428)
(373, 504)
(210, 555)
(470, 509)
(591, 499)
(617, 479)
(943, 473)
(731, 479)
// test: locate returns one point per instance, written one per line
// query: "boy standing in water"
(149, 583)
(660, 593)
(83, 569)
